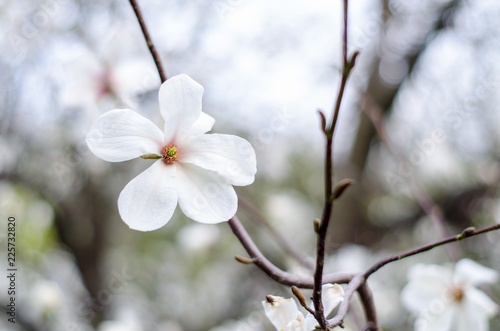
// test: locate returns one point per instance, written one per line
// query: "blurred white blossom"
(445, 300)
(46, 297)
(193, 168)
(198, 237)
(285, 316)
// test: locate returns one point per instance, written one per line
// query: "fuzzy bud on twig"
(317, 223)
(352, 62)
(341, 186)
(244, 260)
(323, 120)
(299, 296)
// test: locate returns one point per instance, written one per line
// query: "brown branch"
(469, 232)
(366, 297)
(353, 286)
(329, 198)
(273, 271)
(358, 282)
(149, 41)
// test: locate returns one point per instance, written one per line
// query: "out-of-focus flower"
(285, 316)
(47, 297)
(195, 169)
(445, 300)
(91, 79)
(198, 237)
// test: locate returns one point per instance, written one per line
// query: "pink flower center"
(170, 154)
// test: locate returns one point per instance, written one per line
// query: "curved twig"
(353, 286)
(273, 271)
(469, 232)
(366, 297)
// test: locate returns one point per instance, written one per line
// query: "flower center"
(170, 154)
(457, 293)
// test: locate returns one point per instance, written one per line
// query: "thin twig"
(149, 41)
(328, 207)
(294, 252)
(273, 271)
(469, 232)
(366, 297)
(353, 286)
(359, 280)
(355, 281)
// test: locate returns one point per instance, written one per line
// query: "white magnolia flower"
(446, 300)
(195, 169)
(285, 316)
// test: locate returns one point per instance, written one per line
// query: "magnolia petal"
(427, 283)
(204, 195)
(479, 304)
(417, 297)
(203, 124)
(467, 321)
(310, 322)
(297, 324)
(475, 311)
(148, 201)
(470, 272)
(230, 156)
(440, 317)
(333, 294)
(430, 272)
(280, 312)
(122, 134)
(180, 104)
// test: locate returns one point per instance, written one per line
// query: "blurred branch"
(281, 240)
(355, 226)
(149, 41)
(384, 94)
(374, 113)
(369, 306)
(274, 272)
(89, 203)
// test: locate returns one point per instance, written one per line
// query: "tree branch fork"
(356, 282)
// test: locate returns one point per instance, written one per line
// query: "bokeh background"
(428, 77)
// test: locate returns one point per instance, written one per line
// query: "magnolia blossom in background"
(285, 316)
(449, 301)
(194, 169)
